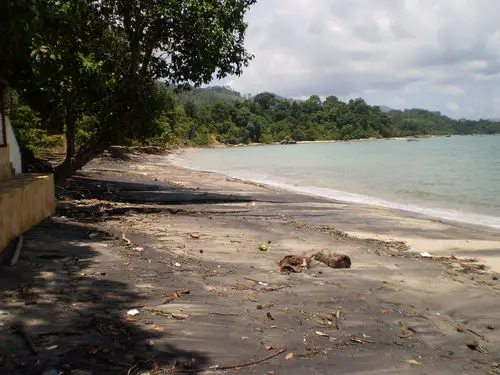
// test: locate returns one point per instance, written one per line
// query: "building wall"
(14, 151)
(5, 165)
(25, 200)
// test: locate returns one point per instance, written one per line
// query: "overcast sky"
(435, 54)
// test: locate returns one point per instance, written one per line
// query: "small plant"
(28, 131)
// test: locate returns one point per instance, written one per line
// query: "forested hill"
(201, 115)
(210, 95)
(266, 117)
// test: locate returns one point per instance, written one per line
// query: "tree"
(266, 100)
(191, 109)
(66, 53)
(99, 56)
(181, 42)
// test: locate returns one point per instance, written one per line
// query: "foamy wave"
(346, 197)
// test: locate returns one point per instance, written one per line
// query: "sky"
(441, 55)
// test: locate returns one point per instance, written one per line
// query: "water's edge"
(452, 216)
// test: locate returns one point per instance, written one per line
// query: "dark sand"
(63, 306)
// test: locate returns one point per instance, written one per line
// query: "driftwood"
(333, 260)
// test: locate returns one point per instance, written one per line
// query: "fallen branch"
(476, 333)
(361, 341)
(255, 281)
(222, 314)
(126, 239)
(221, 368)
(166, 314)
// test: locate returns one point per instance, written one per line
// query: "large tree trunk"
(70, 137)
(82, 157)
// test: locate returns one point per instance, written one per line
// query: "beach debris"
(270, 316)
(52, 347)
(223, 368)
(133, 312)
(296, 263)
(475, 333)
(463, 265)
(425, 254)
(175, 295)
(337, 318)
(94, 235)
(491, 326)
(177, 264)
(167, 314)
(138, 249)
(360, 340)
(293, 263)
(126, 239)
(414, 362)
(268, 347)
(256, 281)
(477, 347)
(333, 260)
(322, 334)
(223, 314)
(150, 344)
(157, 328)
(289, 356)
(406, 334)
(263, 247)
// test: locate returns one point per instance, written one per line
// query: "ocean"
(452, 178)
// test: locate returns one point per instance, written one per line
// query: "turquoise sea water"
(454, 178)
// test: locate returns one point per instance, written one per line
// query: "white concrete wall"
(14, 151)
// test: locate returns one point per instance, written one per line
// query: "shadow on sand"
(57, 314)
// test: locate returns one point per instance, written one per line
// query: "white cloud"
(477, 64)
(451, 90)
(454, 107)
(417, 51)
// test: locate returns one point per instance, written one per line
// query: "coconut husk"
(333, 260)
(293, 263)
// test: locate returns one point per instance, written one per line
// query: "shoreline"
(180, 250)
(414, 211)
(422, 233)
(371, 139)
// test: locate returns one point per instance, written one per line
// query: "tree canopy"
(269, 118)
(100, 59)
(108, 71)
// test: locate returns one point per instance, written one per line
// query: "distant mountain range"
(386, 109)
